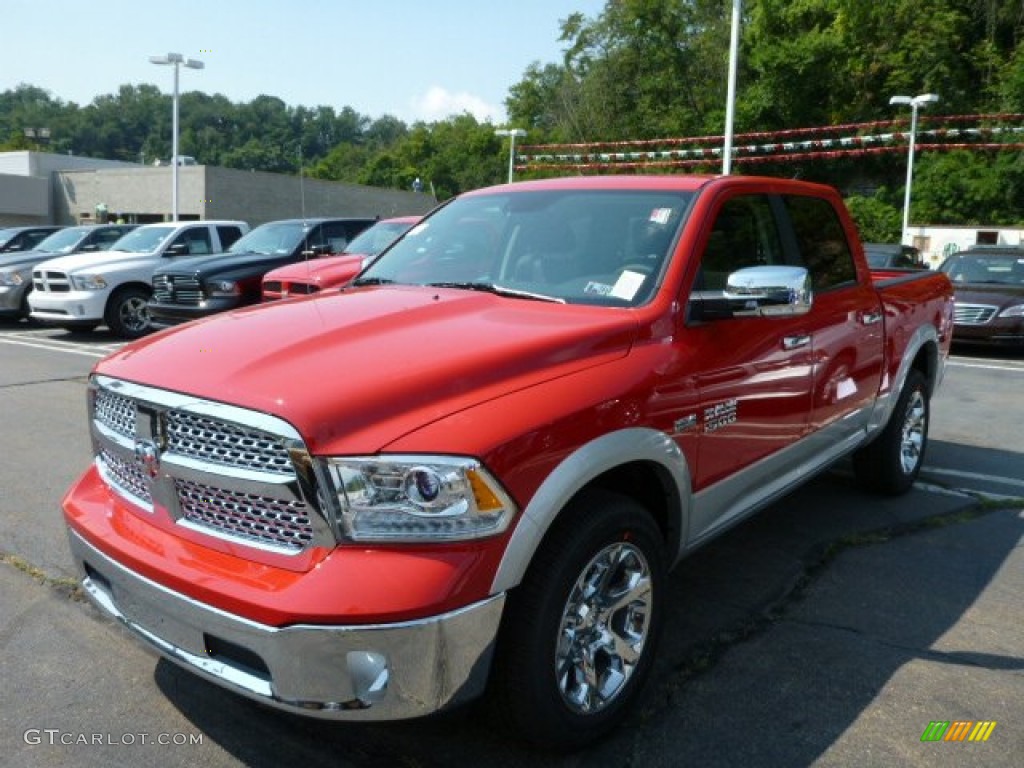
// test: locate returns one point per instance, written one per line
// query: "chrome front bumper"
(371, 672)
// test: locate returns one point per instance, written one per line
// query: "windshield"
(996, 269)
(64, 240)
(143, 239)
(372, 241)
(576, 246)
(6, 235)
(279, 237)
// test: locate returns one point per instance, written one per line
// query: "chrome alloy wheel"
(914, 428)
(604, 626)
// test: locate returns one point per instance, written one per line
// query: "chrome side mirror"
(775, 291)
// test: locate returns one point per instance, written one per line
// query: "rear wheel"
(892, 461)
(127, 315)
(579, 633)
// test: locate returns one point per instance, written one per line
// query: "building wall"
(24, 200)
(936, 243)
(143, 193)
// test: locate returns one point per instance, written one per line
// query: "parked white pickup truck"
(81, 291)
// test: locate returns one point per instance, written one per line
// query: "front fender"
(579, 469)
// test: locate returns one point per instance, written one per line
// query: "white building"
(936, 243)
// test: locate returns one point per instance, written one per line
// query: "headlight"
(417, 498)
(1017, 310)
(10, 279)
(88, 282)
(224, 288)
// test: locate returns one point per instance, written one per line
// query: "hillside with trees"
(644, 70)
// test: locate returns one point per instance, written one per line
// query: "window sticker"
(597, 289)
(661, 215)
(627, 285)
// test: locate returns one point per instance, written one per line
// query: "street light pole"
(914, 102)
(175, 60)
(511, 133)
(730, 99)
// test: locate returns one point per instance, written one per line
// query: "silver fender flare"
(573, 474)
(926, 334)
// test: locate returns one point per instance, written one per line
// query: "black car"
(988, 283)
(893, 255)
(194, 288)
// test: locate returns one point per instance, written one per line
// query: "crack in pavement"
(58, 380)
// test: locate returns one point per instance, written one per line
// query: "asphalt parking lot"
(830, 630)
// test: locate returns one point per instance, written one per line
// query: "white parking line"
(1016, 482)
(988, 366)
(53, 348)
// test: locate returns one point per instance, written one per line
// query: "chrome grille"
(46, 281)
(224, 471)
(973, 314)
(177, 289)
(127, 475)
(246, 515)
(217, 441)
(115, 412)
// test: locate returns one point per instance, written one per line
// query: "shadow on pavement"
(770, 653)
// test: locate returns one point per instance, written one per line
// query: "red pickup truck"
(475, 463)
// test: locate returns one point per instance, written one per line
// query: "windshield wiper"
(497, 290)
(372, 281)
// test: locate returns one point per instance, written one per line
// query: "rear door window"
(821, 241)
(228, 234)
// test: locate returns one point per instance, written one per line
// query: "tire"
(572, 655)
(126, 314)
(891, 462)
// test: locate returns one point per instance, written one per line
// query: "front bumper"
(68, 307)
(999, 332)
(358, 672)
(167, 315)
(11, 297)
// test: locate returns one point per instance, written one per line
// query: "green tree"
(878, 221)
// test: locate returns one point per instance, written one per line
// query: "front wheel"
(127, 315)
(579, 634)
(891, 462)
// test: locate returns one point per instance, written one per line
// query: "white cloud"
(438, 103)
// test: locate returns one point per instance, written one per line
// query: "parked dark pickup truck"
(194, 288)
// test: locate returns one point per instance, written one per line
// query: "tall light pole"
(730, 99)
(175, 60)
(915, 102)
(511, 133)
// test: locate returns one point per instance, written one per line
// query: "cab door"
(753, 375)
(846, 324)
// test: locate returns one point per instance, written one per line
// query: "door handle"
(795, 342)
(871, 318)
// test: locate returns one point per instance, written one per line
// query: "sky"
(413, 59)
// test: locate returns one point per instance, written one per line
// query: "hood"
(354, 371)
(221, 263)
(24, 258)
(329, 270)
(989, 293)
(97, 261)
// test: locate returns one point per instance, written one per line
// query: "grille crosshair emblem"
(147, 456)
